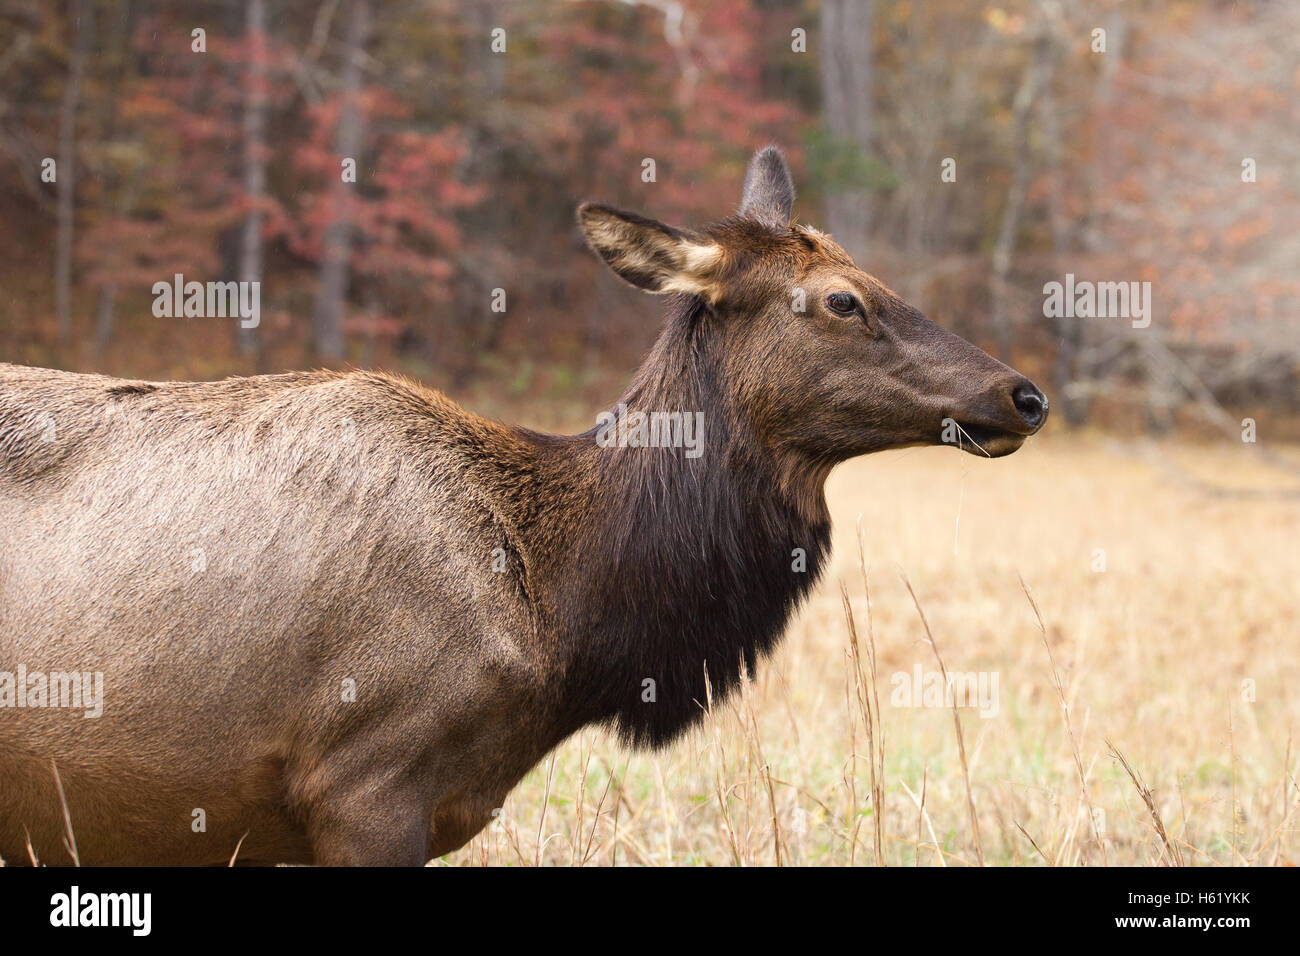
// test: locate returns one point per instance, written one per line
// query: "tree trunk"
(1030, 84)
(1069, 329)
(331, 296)
(66, 171)
(847, 30)
(111, 202)
(1103, 100)
(482, 328)
(250, 251)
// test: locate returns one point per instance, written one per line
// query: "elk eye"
(842, 303)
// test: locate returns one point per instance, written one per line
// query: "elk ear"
(651, 255)
(769, 190)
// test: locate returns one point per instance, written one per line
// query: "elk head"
(820, 359)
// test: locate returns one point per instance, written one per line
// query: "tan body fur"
(224, 686)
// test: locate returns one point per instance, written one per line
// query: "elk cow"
(333, 617)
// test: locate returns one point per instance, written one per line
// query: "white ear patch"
(701, 257)
(697, 271)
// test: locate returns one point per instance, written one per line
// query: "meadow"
(1130, 609)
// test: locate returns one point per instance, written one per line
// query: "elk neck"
(654, 566)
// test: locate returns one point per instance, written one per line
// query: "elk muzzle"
(1000, 423)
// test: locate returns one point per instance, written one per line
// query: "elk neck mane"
(675, 564)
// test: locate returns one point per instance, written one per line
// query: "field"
(1154, 723)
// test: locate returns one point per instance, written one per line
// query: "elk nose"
(1031, 404)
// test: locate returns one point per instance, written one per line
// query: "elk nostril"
(1031, 404)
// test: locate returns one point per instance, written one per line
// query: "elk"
(338, 617)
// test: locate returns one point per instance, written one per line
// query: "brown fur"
(228, 553)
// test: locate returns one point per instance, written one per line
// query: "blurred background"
(1119, 142)
(477, 125)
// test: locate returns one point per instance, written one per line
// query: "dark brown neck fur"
(655, 565)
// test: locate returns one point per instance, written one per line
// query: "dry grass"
(1124, 734)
